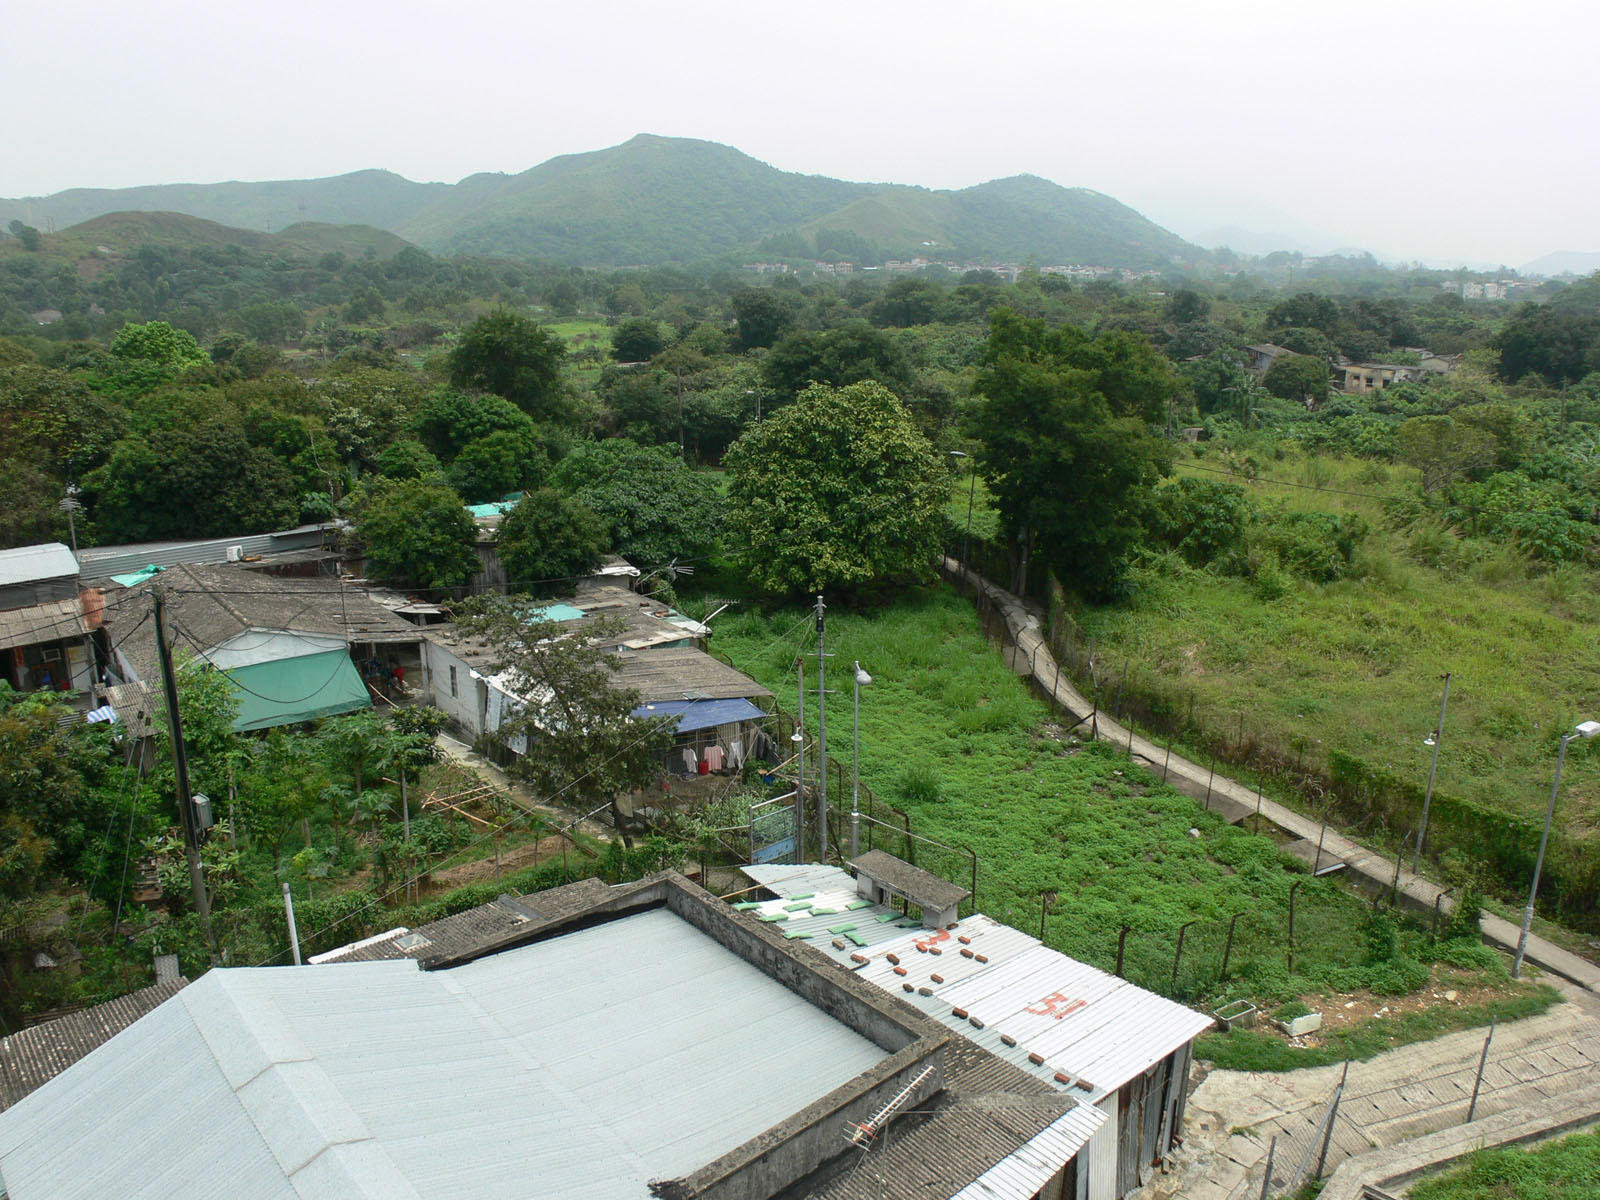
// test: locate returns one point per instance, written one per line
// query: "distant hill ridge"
(657, 200)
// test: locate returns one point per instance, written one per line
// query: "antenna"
(860, 1135)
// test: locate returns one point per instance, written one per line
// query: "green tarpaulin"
(289, 690)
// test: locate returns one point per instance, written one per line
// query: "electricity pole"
(180, 765)
(822, 728)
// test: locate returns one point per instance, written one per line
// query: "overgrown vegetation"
(1099, 847)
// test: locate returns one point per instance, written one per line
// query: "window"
(452, 681)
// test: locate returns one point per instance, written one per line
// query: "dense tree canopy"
(1068, 448)
(548, 539)
(837, 490)
(658, 509)
(510, 355)
(416, 531)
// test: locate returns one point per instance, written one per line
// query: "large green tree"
(416, 531)
(1067, 425)
(837, 490)
(850, 354)
(512, 356)
(658, 509)
(548, 539)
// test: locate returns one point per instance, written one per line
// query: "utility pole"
(180, 765)
(800, 760)
(822, 727)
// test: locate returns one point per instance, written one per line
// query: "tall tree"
(837, 490)
(416, 531)
(658, 509)
(512, 356)
(549, 538)
(1068, 445)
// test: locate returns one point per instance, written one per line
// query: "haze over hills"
(656, 199)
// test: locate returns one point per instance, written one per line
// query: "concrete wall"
(466, 707)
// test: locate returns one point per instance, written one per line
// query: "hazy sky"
(1445, 129)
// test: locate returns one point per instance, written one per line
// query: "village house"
(51, 627)
(297, 649)
(630, 1041)
(660, 655)
(1124, 1051)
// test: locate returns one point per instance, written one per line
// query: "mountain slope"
(658, 199)
(379, 198)
(649, 199)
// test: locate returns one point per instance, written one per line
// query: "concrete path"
(1420, 1089)
(459, 752)
(1032, 657)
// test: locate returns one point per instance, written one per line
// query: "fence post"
(1394, 890)
(1293, 887)
(1178, 957)
(1482, 1063)
(1168, 761)
(1272, 1154)
(1327, 1136)
(1227, 951)
(1320, 837)
(1122, 941)
(1209, 779)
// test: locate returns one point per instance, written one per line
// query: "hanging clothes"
(714, 758)
(691, 762)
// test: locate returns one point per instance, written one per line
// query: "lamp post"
(972, 494)
(1432, 740)
(862, 680)
(1584, 729)
(798, 738)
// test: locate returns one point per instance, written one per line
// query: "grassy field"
(1354, 667)
(1073, 830)
(1568, 1169)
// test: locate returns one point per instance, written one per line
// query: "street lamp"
(1433, 739)
(972, 493)
(862, 680)
(1584, 729)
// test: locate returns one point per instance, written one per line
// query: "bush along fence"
(1369, 801)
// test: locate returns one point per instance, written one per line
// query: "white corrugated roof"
(29, 564)
(995, 985)
(581, 1066)
(1021, 1175)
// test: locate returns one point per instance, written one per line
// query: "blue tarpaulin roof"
(701, 714)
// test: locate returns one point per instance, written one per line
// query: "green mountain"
(657, 199)
(95, 243)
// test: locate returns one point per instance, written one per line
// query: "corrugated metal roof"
(102, 562)
(585, 1066)
(996, 985)
(29, 564)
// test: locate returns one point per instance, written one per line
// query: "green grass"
(1568, 1169)
(948, 734)
(1355, 666)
